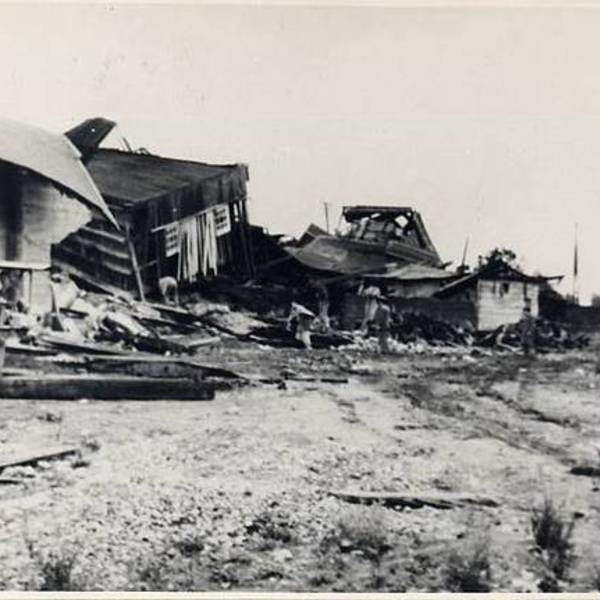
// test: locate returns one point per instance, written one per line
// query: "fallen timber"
(157, 366)
(31, 457)
(587, 470)
(103, 387)
(393, 500)
(68, 344)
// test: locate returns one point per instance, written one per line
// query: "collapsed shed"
(178, 218)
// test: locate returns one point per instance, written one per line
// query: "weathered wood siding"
(502, 302)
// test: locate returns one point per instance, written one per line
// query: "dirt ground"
(233, 494)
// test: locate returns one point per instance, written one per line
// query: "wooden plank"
(586, 470)
(71, 345)
(118, 252)
(88, 281)
(12, 481)
(192, 342)
(65, 253)
(167, 322)
(391, 499)
(29, 457)
(173, 311)
(103, 387)
(15, 347)
(16, 265)
(133, 359)
(113, 237)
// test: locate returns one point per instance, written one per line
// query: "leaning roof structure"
(130, 178)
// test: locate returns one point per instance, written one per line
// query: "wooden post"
(135, 265)
(2, 352)
(249, 242)
(30, 291)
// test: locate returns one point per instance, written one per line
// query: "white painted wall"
(47, 217)
(500, 303)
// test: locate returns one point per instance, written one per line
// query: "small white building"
(500, 293)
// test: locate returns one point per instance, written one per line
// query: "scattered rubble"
(548, 336)
(416, 327)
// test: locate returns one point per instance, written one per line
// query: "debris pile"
(548, 336)
(416, 327)
(110, 347)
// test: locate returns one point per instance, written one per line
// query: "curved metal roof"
(53, 157)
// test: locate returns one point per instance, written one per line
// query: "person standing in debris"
(322, 298)
(299, 321)
(169, 290)
(371, 295)
(527, 331)
(12, 287)
(382, 319)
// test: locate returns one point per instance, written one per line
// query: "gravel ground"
(233, 494)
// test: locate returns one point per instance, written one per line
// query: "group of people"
(377, 315)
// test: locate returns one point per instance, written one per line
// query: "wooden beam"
(391, 499)
(156, 362)
(103, 387)
(33, 456)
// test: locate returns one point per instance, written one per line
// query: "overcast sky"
(486, 120)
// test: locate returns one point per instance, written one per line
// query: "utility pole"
(463, 262)
(575, 269)
(326, 207)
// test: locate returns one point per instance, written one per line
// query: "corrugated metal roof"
(337, 255)
(52, 156)
(134, 177)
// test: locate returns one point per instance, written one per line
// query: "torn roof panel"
(337, 255)
(351, 213)
(87, 136)
(53, 157)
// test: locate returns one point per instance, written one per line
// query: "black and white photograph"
(300, 297)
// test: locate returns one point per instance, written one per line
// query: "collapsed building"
(177, 218)
(375, 238)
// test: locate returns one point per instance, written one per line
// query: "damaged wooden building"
(371, 239)
(46, 193)
(178, 218)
